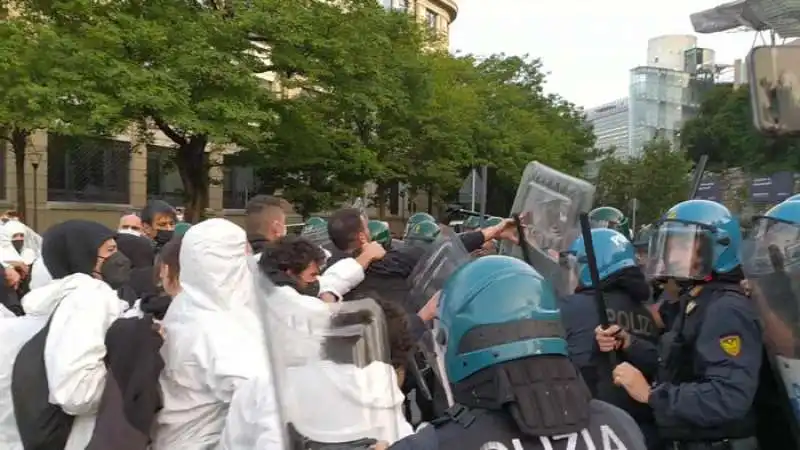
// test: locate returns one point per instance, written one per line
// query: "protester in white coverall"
(214, 341)
(24, 240)
(353, 402)
(85, 306)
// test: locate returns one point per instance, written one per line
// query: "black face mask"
(116, 270)
(311, 289)
(18, 245)
(164, 236)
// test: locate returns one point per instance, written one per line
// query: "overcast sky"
(588, 46)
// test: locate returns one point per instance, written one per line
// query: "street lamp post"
(35, 158)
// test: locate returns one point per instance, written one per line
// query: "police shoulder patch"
(690, 307)
(731, 344)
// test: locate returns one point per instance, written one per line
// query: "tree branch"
(170, 132)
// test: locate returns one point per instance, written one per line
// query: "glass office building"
(610, 126)
(661, 101)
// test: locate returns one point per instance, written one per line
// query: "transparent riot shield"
(442, 258)
(549, 203)
(317, 235)
(771, 262)
(331, 370)
(432, 348)
(361, 205)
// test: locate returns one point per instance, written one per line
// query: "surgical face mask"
(164, 236)
(18, 245)
(116, 270)
(129, 231)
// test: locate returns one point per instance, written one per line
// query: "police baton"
(599, 301)
(698, 176)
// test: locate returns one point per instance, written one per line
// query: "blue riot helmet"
(794, 198)
(481, 309)
(774, 238)
(612, 250)
(694, 239)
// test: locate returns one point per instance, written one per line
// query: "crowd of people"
(164, 335)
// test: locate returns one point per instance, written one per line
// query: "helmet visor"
(600, 223)
(681, 251)
(773, 245)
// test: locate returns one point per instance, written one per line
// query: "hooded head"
(214, 262)
(82, 246)
(16, 232)
(138, 249)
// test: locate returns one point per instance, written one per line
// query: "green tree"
(520, 123)
(443, 109)
(184, 69)
(344, 127)
(41, 88)
(658, 179)
(723, 129)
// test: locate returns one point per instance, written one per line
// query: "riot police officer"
(422, 233)
(512, 383)
(710, 359)
(626, 293)
(417, 218)
(380, 233)
(610, 217)
(769, 259)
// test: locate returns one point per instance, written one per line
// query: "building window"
(432, 19)
(238, 186)
(88, 169)
(163, 180)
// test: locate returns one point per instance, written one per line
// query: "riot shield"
(442, 258)
(331, 370)
(317, 235)
(549, 203)
(433, 350)
(771, 263)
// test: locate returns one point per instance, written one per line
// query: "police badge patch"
(731, 345)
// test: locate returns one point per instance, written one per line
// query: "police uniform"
(710, 365)
(508, 369)
(710, 359)
(625, 292)
(609, 428)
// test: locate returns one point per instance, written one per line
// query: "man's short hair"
(293, 254)
(344, 226)
(155, 208)
(259, 205)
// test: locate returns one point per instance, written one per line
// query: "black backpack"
(41, 425)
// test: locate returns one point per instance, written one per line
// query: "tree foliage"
(359, 95)
(723, 129)
(658, 179)
(37, 94)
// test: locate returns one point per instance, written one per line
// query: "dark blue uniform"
(710, 363)
(609, 428)
(580, 318)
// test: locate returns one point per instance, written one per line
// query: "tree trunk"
(430, 199)
(380, 197)
(191, 160)
(19, 142)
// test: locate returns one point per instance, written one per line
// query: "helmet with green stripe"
(610, 217)
(379, 232)
(423, 232)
